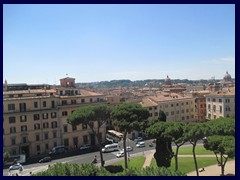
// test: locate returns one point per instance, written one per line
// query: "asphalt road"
(86, 158)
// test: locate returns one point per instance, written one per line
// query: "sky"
(44, 43)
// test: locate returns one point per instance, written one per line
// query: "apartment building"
(220, 103)
(35, 117)
(177, 107)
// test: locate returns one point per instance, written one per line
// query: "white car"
(140, 144)
(128, 148)
(120, 154)
(17, 166)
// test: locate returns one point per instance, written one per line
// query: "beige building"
(177, 107)
(34, 117)
(220, 103)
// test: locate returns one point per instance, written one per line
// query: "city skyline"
(44, 43)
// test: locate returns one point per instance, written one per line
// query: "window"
(24, 139)
(84, 126)
(187, 117)
(37, 137)
(35, 104)
(23, 128)
(171, 105)
(150, 109)
(209, 99)
(12, 130)
(61, 93)
(36, 116)
(64, 102)
(98, 99)
(209, 107)
(11, 107)
(46, 146)
(44, 104)
(182, 118)
(66, 142)
(214, 108)
(192, 116)
(75, 141)
(38, 147)
(177, 104)
(214, 116)
(74, 127)
(45, 125)
(219, 100)
(45, 135)
(12, 119)
(186, 103)
(13, 141)
(155, 108)
(45, 115)
(187, 110)
(209, 116)
(183, 111)
(54, 134)
(182, 104)
(64, 113)
(83, 100)
(167, 113)
(53, 115)
(166, 105)
(191, 109)
(220, 108)
(22, 107)
(214, 100)
(53, 104)
(65, 128)
(23, 118)
(227, 100)
(177, 112)
(155, 114)
(36, 126)
(85, 140)
(172, 113)
(201, 106)
(73, 101)
(92, 100)
(54, 124)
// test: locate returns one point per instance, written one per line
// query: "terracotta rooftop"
(146, 102)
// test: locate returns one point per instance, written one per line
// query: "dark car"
(57, 150)
(86, 147)
(45, 159)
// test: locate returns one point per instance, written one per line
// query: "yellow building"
(34, 117)
(177, 107)
(220, 103)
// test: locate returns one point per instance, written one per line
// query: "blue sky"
(43, 43)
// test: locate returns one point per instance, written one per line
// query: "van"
(110, 147)
(57, 150)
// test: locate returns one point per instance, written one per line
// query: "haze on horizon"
(92, 43)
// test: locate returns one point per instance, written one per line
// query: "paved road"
(109, 158)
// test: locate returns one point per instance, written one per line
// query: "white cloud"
(224, 60)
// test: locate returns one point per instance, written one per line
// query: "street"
(109, 158)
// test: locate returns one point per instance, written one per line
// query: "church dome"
(168, 81)
(227, 77)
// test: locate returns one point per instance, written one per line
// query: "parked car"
(17, 166)
(138, 139)
(140, 144)
(45, 159)
(57, 150)
(120, 154)
(86, 147)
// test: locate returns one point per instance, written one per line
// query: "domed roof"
(168, 81)
(227, 77)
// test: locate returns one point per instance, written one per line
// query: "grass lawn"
(186, 164)
(136, 162)
(188, 150)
